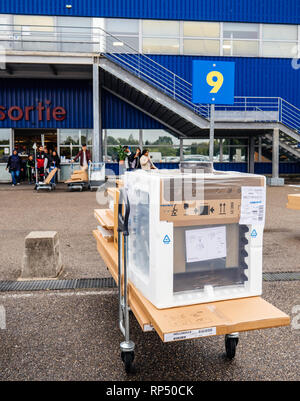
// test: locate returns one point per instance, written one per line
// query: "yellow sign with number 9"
(216, 84)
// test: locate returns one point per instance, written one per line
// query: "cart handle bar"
(123, 220)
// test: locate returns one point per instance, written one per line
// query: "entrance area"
(24, 140)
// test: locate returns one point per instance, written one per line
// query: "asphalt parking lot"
(74, 335)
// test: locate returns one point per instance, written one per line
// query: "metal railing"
(96, 40)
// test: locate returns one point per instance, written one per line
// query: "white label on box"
(253, 205)
(148, 327)
(205, 244)
(189, 334)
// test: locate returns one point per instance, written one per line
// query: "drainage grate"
(104, 282)
(39, 285)
(281, 276)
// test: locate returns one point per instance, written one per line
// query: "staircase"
(288, 146)
(158, 92)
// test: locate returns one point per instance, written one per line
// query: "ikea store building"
(120, 72)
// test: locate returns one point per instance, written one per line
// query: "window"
(36, 33)
(164, 154)
(164, 37)
(122, 26)
(196, 150)
(160, 45)
(4, 145)
(6, 30)
(34, 23)
(125, 35)
(117, 137)
(68, 137)
(199, 46)
(86, 136)
(279, 49)
(279, 32)
(160, 28)
(159, 137)
(201, 29)
(234, 30)
(71, 140)
(240, 48)
(75, 34)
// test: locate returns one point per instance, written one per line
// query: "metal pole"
(141, 139)
(212, 132)
(259, 148)
(251, 154)
(221, 150)
(105, 144)
(97, 132)
(126, 311)
(275, 154)
(181, 149)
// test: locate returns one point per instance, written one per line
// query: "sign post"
(213, 83)
(212, 133)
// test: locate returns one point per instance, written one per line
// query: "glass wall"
(34, 31)
(165, 147)
(84, 34)
(125, 31)
(5, 144)
(71, 140)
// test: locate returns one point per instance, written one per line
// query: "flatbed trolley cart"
(226, 318)
(96, 174)
(47, 184)
(80, 184)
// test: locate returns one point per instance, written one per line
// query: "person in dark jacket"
(84, 157)
(41, 163)
(54, 162)
(14, 165)
(134, 159)
(30, 169)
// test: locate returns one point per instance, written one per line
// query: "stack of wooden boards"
(50, 176)
(192, 321)
(293, 202)
(78, 176)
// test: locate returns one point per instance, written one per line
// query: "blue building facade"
(268, 11)
(248, 32)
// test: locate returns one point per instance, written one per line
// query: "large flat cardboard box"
(293, 202)
(194, 321)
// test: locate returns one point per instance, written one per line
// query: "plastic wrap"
(195, 237)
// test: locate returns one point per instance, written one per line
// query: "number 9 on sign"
(215, 79)
(213, 82)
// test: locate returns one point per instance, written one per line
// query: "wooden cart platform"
(193, 321)
(293, 202)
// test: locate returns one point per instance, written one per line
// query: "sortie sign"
(40, 110)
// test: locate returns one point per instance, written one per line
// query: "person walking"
(14, 165)
(84, 157)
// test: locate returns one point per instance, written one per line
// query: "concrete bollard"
(42, 257)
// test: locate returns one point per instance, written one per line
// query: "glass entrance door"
(24, 140)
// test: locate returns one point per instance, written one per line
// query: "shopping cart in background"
(96, 174)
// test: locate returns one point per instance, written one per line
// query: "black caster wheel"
(230, 346)
(128, 358)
